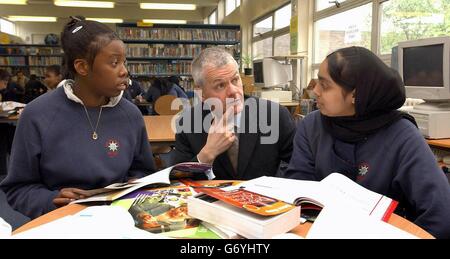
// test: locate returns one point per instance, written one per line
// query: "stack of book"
(248, 214)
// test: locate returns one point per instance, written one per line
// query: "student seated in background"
(175, 80)
(20, 79)
(6, 130)
(134, 93)
(360, 133)
(4, 79)
(33, 89)
(160, 87)
(164, 86)
(9, 90)
(52, 76)
(82, 135)
(228, 131)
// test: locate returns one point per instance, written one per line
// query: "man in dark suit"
(243, 138)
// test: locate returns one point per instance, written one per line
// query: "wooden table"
(11, 119)
(300, 230)
(444, 143)
(289, 104)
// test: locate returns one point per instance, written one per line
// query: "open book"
(197, 171)
(334, 189)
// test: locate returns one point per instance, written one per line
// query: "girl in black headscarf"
(359, 133)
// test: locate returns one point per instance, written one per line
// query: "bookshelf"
(162, 50)
(30, 58)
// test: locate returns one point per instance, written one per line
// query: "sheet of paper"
(105, 222)
(336, 223)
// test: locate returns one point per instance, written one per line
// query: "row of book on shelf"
(32, 61)
(174, 204)
(12, 61)
(186, 34)
(171, 50)
(43, 61)
(186, 82)
(29, 50)
(171, 67)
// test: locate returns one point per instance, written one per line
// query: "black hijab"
(379, 93)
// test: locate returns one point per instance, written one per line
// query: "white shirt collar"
(67, 85)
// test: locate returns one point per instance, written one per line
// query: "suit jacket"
(255, 159)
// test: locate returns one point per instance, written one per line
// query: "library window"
(282, 45)
(271, 33)
(7, 27)
(315, 73)
(263, 26)
(337, 31)
(231, 5)
(262, 48)
(212, 19)
(283, 17)
(403, 20)
(324, 4)
(391, 22)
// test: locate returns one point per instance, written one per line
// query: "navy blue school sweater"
(53, 149)
(396, 162)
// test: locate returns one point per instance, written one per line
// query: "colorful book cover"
(164, 211)
(241, 198)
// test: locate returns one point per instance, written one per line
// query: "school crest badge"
(112, 148)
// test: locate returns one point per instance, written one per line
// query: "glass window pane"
(283, 17)
(315, 72)
(324, 4)
(406, 20)
(230, 5)
(212, 19)
(282, 45)
(238, 3)
(263, 26)
(338, 31)
(7, 27)
(262, 48)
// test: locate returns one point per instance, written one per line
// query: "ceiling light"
(160, 6)
(106, 20)
(91, 4)
(164, 21)
(16, 2)
(31, 19)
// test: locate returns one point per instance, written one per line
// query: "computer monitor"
(270, 73)
(425, 68)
